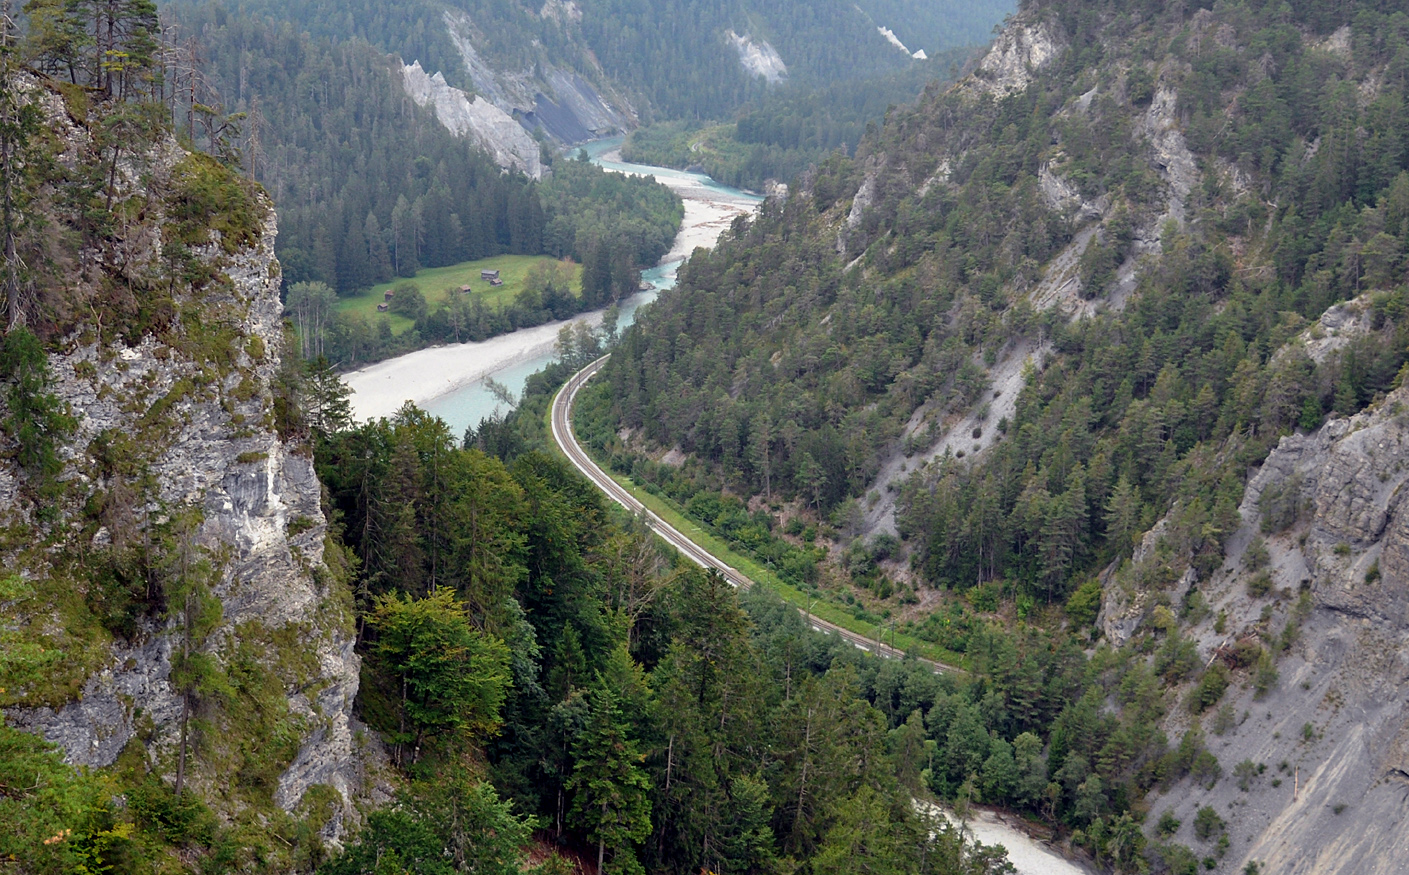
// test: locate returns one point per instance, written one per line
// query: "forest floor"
(435, 283)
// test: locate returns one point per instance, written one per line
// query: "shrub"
(1280, 504)
(1176, 659)
(1244, 654)
(1174, 859)
(1246, 773)
(1265, 677)
(1206, 769)
(1225, 719)
(208, 196)
(1260, 585)
(1168, 825)
(1210, 689)
(37, 421)
(1256, 556)
(1085, 603)
(1208, 824)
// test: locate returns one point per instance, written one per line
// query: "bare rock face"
(472, 116)
(560, 102)
(759, 58)
(1333, 731)
(1168, 150)
(187, 413)
(1021, 50)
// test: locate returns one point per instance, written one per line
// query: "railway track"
(567, 442)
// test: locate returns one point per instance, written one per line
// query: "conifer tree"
(611, 792)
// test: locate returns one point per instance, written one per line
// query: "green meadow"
(435, 282)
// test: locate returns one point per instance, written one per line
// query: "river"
(450, 381)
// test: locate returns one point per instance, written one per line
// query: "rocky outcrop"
(1021, 50)
(1333, 732)
(758, 58)
(179, 422)
(1169, 152)
(474, 117)
(561, 102)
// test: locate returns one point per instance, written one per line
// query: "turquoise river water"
(709, 206)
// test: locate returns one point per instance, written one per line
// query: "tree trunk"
(601, 841)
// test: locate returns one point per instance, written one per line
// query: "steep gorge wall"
(175, 465)
(1331, 735)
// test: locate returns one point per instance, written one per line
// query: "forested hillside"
(1083, 293)
(370, 186)
(782, 133)
(672, 58)
(635, 710)
(1294, 204)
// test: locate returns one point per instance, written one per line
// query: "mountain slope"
(1043, 311)
(579, 68)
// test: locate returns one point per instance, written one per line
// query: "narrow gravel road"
(567, 442)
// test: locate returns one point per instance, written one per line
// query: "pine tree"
(611, 792)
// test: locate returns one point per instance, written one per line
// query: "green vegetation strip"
(434, 284)
(671, 513)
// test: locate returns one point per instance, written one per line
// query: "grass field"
(829, 611)
(434, 282)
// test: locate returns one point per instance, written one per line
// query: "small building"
(383, 307)
(465, 290)
(496, 282)
(388, 294)
(490, 275)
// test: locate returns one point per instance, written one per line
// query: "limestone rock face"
(191, 410)
(1020, 50)
(1331, 509)
(1169, 152)
(474, 117)
(562, 103)
(758, 58)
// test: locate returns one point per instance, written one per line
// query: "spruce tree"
(611, 792)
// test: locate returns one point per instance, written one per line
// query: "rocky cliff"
(1315, 757)
(177, 576)
(509, 104)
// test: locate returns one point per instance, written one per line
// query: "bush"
(208, 196)
(1174, 859)
(1256, 557)
(1260, 585)
(1265, 677)
(1280, 504)
(1210, 689)
(1208, 824)
(1225, 719)
(1168, 825)
(1246, 773)
(1085, 603)
(37, 420)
